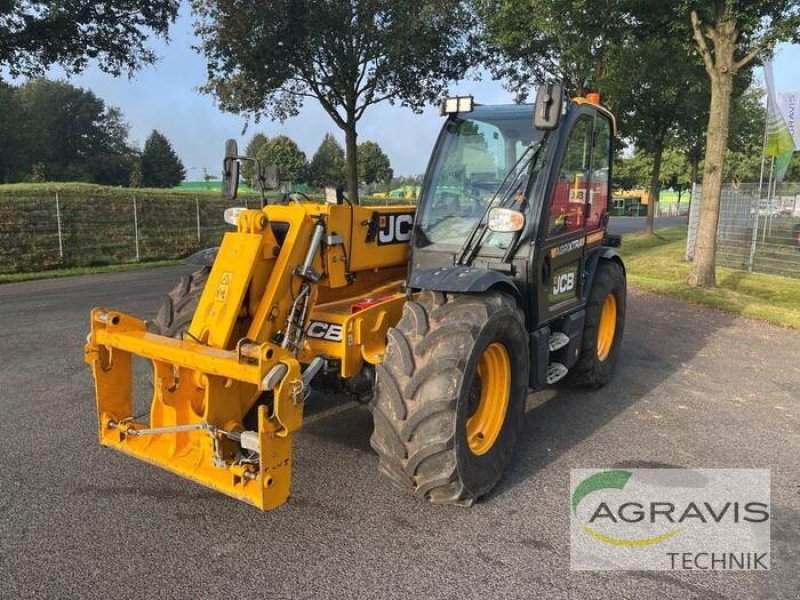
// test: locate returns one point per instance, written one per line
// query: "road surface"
(695, 388)
(623, 225)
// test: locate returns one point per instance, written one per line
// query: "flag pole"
(769, 194)
(763, 149)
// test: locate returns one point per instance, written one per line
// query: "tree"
(373, 164)
(327, 167)
(136, 179)
(742, 166)
(729, 36)
(283, 152)
(793, 172)
(676, 172)
(35, 35)
(255, 149)
(618, 47)
(266, 58)
(161, 167)
(651, 80)
(540, 39)
(632, 172)
(71, 132)
(11, 135)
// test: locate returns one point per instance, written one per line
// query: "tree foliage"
(283, 152)
(68, 132)
(633, 171)
(35, 34)
(541, 39)
(373, 164)
(651, 82)
(327, 167)
(161, 167)
(266, 58)
(256, 149)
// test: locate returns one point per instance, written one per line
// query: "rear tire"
(454, 365)
(603, 328)
(178, 307)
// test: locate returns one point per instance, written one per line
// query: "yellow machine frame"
(327, 292)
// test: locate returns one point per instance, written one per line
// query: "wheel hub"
(607, 327)
(492, 389)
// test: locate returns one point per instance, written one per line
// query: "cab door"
(565, 217)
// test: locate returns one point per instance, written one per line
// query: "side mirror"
(230, 171)
(268, 177)
(547, 112)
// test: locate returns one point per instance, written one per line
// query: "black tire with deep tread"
(423, 388)
(178, 307)
(589, 370)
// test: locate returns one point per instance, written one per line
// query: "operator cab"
(476, 158)
(547, 168)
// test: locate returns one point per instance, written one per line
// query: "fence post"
(58, 224)
(197, 213)
(754, 237)
(136, 227)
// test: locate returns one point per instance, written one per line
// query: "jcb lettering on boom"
(330, 332)
(395, 228)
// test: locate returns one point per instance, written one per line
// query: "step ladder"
(555, 370)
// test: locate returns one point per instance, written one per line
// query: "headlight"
(232, 215)
(505, 220)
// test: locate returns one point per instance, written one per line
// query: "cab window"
(597, 209)
(568, 203)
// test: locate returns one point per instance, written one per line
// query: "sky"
(164, 96)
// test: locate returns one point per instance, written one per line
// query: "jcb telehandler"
(442, 315)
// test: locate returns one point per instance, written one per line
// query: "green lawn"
(656, 263)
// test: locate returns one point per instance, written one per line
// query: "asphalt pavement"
(623, 225)
(695, 388)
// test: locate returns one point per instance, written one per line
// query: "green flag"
(779, 137)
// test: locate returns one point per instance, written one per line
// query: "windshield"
(472, 166)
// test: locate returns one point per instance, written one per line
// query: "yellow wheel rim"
(486, 422)
(607, 328)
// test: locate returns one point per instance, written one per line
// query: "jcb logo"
(395, 228)
(330, 332)
(563, 283)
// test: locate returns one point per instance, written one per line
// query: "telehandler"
(442, 315)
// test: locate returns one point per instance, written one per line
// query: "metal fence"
(754, 233)
(39, 232)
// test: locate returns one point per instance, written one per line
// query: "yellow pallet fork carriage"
(442, 314)
(246, 342)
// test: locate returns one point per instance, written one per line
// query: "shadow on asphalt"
(656, 345)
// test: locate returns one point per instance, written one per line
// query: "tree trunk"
(351, 159)
(695, 162)
(655, 187)
(703, 268)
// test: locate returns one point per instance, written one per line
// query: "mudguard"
(604, 253)
(467, 280)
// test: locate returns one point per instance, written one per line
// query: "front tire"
(450, 395)
(178, 307)
(603, 328)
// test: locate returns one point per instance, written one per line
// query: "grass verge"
(656, 263)
(56, 273)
